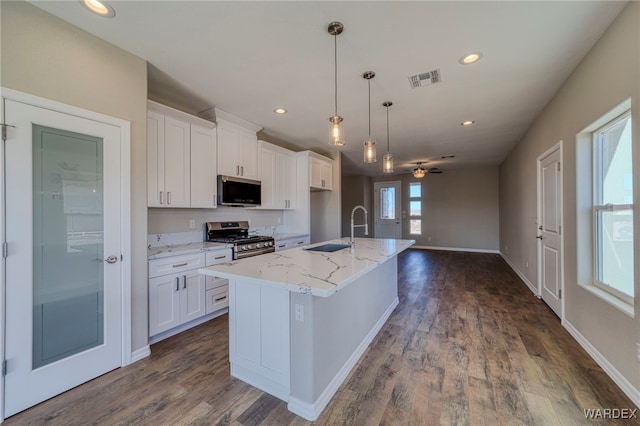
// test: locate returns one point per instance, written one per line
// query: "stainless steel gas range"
(237, 233)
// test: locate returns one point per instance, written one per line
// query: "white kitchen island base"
(303, 358)
(299, 342)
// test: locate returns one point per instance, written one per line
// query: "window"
(387, 203)
(613, 207)
(415, 208)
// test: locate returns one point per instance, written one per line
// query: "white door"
(63, 269)
(387, 202)
(549, 229)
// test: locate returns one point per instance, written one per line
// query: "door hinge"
(558, 166)
(560, 294)
(5, 250)
(4, 130)
(559, 229)
(4, 367)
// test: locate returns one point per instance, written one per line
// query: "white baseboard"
(612, 372)
(534, 289)
(141, 353)
(311, 411)
(470, 250)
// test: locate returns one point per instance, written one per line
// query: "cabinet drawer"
(217, 298)
(215, 282)
(218, 256)
(175, 264)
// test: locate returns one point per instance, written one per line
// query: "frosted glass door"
(68, 270)
(64, 270)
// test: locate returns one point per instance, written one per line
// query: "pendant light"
(419, 172)
(336, 130)
(369, 143)
(387, 160)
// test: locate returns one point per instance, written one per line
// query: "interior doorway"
(549, 232)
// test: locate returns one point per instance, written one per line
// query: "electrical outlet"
(506, 247)
(429, 238)
(279, 221)
(299, 312)
(192, 224)
(526, 264)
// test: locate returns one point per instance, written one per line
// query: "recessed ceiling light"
(280, 111)
(100, 8)
(470, 58)
(467, 123)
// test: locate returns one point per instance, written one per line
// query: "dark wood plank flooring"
(468, 345)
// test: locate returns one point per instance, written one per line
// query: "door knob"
(111, 259)
(539, 237)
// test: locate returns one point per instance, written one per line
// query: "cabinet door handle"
(184, 281)
(237, 170)
(241, 170)
(220, 298)
(219, 257)
(177, 283)
(161, 202)
(178, 265)
(168, 197)
(283, 245)
(300, 242)
(215, 201)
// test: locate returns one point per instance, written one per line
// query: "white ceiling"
(248, 58)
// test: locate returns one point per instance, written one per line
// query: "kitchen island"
(299, 320)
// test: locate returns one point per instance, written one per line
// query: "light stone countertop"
(178, 249)
(312, 272)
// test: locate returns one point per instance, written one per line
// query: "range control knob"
(243, 248)
(250, 247)
(258, 245)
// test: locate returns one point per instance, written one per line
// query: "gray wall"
(459, 208)
(356, 190)
(177, 220)
(47, 57)
(609, 74)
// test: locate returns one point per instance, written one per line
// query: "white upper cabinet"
(203, 169)
(277, 172)
(320, 172)
(237, 146)
(181, 159)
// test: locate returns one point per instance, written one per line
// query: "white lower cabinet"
(177, 297)
(178, 294)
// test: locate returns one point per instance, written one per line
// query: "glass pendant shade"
(387, 163)
(370, 151)
(336, 131)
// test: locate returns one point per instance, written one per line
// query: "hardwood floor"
(468, 345)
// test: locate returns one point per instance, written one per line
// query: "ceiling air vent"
(425, 78)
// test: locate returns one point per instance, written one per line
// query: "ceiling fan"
(420, 172)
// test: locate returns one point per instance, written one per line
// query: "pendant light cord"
(369, 81)
(335, 62)
(387, 130)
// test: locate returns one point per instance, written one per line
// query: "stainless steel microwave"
(238, 192)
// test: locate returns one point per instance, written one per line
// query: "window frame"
(598, 208)
(410, 199)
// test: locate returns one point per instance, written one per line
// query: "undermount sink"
(329, 248)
